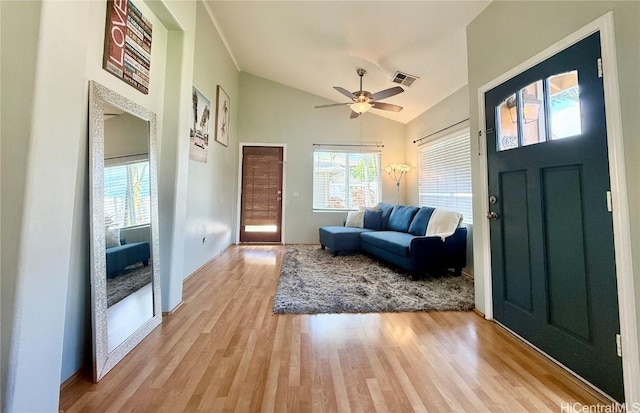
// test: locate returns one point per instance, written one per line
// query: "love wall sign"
(127, 44)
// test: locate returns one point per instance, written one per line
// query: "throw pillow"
(355, 219)
(419, 224)
(373, 219)
(112, 237)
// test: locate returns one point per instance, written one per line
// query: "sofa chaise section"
(340, 238)
(120, 257)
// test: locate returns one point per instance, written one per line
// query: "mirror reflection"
(125, 276)
(127, 217)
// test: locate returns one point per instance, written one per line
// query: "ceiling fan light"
(360, 107)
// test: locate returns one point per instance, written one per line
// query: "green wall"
(273, 113)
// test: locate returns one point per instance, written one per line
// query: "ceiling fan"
(362, 100)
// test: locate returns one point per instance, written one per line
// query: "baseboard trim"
(200, 268)
(173, 310)
(75, 376)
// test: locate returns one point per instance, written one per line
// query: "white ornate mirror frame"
(103, 358)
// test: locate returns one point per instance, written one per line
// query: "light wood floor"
(224, 350)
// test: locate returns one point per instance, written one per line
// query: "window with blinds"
(345, 180)
(444, 174)
(127, 200)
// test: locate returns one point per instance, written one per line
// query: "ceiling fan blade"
(333, 104)
(345, 92)
(354, 115)
(387, 93)
(387, 106)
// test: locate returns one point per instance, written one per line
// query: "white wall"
(211, 193)
(45, 73)
(17, 73)
(500, 39)
(273, 113)
(40, 263)
(77, 334)
(127, 136)
(450, 111)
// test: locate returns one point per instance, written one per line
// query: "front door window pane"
(507, 123)
(532, 101)
(564, 105)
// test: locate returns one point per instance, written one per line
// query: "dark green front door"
(552, 254)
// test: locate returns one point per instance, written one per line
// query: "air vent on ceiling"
(404, 79)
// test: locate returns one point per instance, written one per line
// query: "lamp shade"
(397, 171)
(360, 107)
(530, 107)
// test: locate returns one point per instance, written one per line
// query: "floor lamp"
(397, 171)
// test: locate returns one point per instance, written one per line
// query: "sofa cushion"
(373, 219)
(401, 217)
(392, 241)
(420, 220)
(386, 211)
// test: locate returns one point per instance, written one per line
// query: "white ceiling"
(315, 45)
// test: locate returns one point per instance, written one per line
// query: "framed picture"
(127, 44)
(200, 129)
(223, 104)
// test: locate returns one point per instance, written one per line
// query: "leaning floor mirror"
(125, 275)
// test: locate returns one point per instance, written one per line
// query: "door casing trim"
(241, 146)
(617, 175)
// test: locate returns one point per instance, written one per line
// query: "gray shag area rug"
(313, 281)
(133, 278)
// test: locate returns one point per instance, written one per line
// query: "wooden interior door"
(261, 200)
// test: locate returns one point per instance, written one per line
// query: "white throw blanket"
(443, 223)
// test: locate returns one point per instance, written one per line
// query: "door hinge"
(619, 345)
(609, 202)
(599, 67)
(479, 143)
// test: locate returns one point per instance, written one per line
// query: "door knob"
(492, 215)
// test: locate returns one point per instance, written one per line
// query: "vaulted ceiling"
(315, 45)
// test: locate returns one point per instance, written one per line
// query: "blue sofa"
(398, 238)
(120, 257)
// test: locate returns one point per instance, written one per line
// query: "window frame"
(347, 200)
(547, 117)
(126, 164)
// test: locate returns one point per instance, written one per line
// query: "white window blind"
(345, 180)
(127, 200)
(444, 174)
